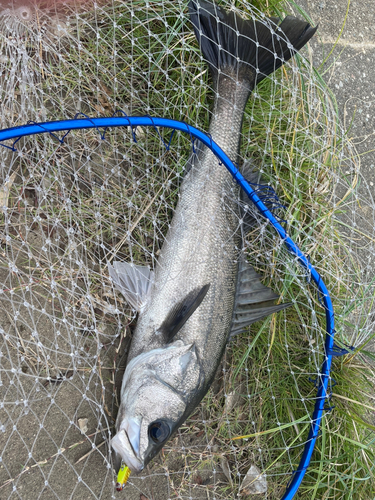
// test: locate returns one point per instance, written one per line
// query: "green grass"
(272, 381)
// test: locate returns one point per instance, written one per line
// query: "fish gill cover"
(70, 209)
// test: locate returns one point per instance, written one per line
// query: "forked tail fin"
(252, 48)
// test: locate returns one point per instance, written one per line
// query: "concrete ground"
(350, 73)
(350, 69)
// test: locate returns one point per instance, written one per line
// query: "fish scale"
(195, 253)
(202, 291)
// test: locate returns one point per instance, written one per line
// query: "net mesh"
(69, 208)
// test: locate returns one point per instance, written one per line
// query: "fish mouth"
(123, 446)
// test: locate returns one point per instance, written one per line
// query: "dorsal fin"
(253, 300)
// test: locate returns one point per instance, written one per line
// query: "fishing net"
(71, 204)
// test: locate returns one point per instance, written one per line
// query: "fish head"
(158, 389)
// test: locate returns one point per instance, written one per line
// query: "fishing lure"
(122, 476)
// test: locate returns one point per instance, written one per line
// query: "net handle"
(146, 121)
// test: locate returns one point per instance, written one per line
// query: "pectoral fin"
(254, 301)
(181, 312)
(133, 281)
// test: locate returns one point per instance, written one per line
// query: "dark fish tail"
(253, 49)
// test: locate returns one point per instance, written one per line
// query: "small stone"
(231, 401)
(224, 464)
(254, 483)
(82, 424)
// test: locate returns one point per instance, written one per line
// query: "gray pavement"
(350, 69)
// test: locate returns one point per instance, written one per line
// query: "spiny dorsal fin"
(181, 312)
(250, 215)
(254, 301)
(133, 281)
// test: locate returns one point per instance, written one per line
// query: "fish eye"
(159, 431)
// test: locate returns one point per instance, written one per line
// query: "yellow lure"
(122, 476)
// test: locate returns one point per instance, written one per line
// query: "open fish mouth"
(123, 446)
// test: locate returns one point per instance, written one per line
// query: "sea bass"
(202, 291)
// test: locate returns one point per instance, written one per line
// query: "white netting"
(69, 209)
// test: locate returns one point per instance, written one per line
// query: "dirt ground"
(41, 434)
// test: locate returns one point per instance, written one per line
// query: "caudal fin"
(254, 48)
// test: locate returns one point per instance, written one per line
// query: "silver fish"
(202, 292)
